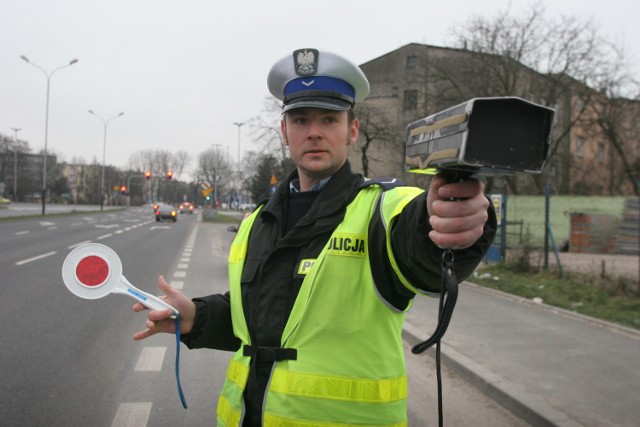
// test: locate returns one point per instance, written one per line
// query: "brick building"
(418, 80)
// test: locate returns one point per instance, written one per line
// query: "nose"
(314, 130)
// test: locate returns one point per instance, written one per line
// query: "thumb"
(172, 295)
(164, 286)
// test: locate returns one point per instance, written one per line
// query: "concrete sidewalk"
(548, 366)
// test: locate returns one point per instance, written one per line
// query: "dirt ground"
(600, 264)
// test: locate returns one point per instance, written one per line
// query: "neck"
(308, 180)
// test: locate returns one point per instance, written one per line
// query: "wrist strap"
(180, 393)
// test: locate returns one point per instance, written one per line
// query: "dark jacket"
(270, 282)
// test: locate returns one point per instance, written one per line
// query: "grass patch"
(210, 215)
(615, 300)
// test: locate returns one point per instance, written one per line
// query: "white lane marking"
(20, 233)
(177, 284)
(107, 226)
(78, 244)
(180, 274)
(35, 258)
(151, 359)
(52, 228)
(183, 266)
(133, 414)
(46, 223)
(186, 259)
(119, 231)
(104, 236)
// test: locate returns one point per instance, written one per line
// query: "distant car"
(167, 212)
(186, 207)
(4, 201)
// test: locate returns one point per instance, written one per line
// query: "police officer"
(322, 274)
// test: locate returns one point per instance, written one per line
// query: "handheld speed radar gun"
(483, 136)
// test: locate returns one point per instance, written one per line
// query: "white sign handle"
(148, 300)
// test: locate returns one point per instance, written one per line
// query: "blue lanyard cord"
(180, 393)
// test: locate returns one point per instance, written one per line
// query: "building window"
(410, 100)
(600, 155)
(412, 61)
(579, 147)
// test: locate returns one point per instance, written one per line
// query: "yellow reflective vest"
(349, 368)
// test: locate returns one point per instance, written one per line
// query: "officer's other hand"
(159, 320)
(457, 212)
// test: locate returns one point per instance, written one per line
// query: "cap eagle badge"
(306, 61)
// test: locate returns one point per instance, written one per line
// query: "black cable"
(448, 298)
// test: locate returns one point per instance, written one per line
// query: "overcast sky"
(184, 71)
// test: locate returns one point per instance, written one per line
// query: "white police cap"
(320, 79)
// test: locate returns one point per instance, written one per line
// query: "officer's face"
(318, 140)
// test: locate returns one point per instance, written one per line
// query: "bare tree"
(216, 169)
(620, 124)
(12, 152)
(376, 130)
(561, 62)
(265, 129)
(159, 162)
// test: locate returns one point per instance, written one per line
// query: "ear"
(354, 131)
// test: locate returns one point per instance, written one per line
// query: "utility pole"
(15, 162)
(239, 124)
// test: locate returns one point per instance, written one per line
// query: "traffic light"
(123, 189)
(147, 174)
(169, 175)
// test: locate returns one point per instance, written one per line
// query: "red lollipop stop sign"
(93, 271)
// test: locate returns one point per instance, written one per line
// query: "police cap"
(315, 78)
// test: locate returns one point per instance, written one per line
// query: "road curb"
(525, 406)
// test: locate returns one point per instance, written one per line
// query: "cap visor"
(324, 103)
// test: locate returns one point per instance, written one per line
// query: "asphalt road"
(66, 361)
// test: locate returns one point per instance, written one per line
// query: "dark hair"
(351, 115)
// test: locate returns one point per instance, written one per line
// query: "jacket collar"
(341, 189)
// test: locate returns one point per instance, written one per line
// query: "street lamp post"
(239, 124)
(104, 153)
(15, 162)
(46, 122)
(215, 176)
